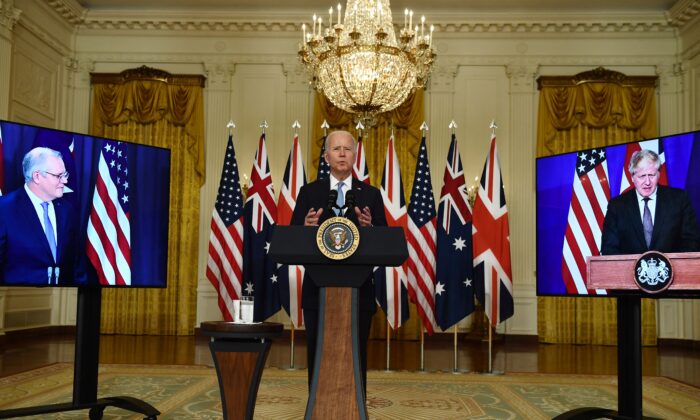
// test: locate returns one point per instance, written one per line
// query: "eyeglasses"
(61, 177)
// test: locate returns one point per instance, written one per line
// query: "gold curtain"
(152, 107)
(406, 121)
(592, 109)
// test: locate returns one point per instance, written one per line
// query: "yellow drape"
(406, 121)
(592, 109)
(164, 111)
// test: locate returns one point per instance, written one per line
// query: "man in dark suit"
(650, 217)
(310, 211)
(37, 227)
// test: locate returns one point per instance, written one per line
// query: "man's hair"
(334, 133)
(640, 155)
(35, 160)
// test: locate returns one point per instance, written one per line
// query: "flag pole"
(422, 351)
(454, 350)
(291, 346)
(490, 371)
(388, 346)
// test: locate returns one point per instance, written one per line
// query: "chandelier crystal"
(357, 63)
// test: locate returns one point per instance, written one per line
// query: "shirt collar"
(36, 201)
(652, 196)
(334, 181)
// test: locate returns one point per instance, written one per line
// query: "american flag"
(492, 269)
(2, 169)
(454, 291)
(655, 145)
(260, 214)
(324, 170)
(359, 168)
(390, 282)
(589, 202)
(291, 277)
(225, 260)
(109, 229)
(422, 242)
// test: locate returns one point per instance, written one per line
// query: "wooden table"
(239, 352)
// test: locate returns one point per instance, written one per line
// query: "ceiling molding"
(460, 22)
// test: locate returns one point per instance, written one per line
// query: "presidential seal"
(337, 238)
(653, 272)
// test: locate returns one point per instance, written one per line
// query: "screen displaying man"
(37, 227)
(311, 210)
(650, 217)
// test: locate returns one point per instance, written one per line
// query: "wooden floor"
(509, 355)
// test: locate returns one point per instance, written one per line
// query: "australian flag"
(454, 292)
(259, 215)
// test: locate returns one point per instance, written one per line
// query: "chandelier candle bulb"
(303, 30)
(405, 19)
(330, 18)
(410, 19)
(430, 44)
(422, 22)
(320, 26)
(339, 14)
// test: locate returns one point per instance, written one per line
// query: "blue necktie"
(48, 229)
(340, 201)
(646, 222)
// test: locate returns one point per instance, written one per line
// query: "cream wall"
(486, 69)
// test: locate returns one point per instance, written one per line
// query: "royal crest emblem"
(653, 272)
(337, 238)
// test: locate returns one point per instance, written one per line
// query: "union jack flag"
(359, 168)
(422, 244)
(584, 228)
(655, 145)
(109, 228)
(225, 260)
(390, 282)
(260, 214)
(290, 277)
(454, 291)
(491, 241)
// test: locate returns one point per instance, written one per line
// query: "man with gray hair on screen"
(651, 216)
(37, 226)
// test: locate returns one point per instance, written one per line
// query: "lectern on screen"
(111, 186)
(563, 233)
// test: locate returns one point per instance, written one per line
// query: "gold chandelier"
(357, 62)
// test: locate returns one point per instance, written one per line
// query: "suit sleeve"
(301, 207)
(610, 243)
(377, 209)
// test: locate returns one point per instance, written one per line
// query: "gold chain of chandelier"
(358, 63)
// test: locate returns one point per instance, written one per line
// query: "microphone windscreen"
(332, 198)
(350, 200)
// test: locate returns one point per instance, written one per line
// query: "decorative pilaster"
(299, 105)
(8, 17)
(439, 112)
(517, 157)
(671, 119)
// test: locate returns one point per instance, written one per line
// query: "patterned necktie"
(646, 221)
(48, 229)
(340, 201)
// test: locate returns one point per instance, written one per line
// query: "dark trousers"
(366, 312)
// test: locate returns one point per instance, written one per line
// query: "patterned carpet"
(191, 392)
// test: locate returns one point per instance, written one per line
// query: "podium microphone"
(349, 202)
(332, 198)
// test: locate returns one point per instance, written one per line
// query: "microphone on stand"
(349, 202)
(332, 198)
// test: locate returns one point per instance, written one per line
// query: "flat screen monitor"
(81, 210)
(571, 209)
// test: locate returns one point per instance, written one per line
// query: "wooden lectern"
(616, 273)
(337, 390)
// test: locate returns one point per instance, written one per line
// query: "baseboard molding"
(677, 342)
(29, 333)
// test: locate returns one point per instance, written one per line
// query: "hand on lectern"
(312, 217)
(364, 216)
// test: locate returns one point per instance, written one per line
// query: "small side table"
(239, 352)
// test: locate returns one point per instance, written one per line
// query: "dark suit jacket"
(25, 255)
(315, 195)
(675, 224)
